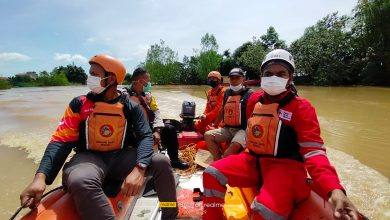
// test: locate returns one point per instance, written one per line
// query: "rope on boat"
(188, 155)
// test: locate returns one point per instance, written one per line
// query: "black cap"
(236, 72)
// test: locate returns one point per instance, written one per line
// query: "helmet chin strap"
(292, 88)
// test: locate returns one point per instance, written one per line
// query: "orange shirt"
(214, 103)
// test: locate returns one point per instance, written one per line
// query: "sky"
(37, 35)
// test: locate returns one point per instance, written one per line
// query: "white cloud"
(65, 57)
(6, 57)
(91, 40)
(183, 28)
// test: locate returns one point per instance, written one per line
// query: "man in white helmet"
(283, 143)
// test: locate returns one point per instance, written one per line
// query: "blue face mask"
(148, 87)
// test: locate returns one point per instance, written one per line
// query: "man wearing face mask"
(214, 103)
(140, 92)
(113, 143)
(283, 145)
(233, 116)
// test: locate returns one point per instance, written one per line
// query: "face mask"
(236, 88)
(93, 83)
(212, 83)
(148, 87)
(273, 85)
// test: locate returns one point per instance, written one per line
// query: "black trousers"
(169, 141)
(86, 172)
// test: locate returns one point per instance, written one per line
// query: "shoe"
(180, 165)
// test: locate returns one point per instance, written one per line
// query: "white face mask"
(273, 85)
(93, 83)
(236, 88)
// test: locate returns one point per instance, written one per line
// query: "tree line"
(59, 76)
(337, 50)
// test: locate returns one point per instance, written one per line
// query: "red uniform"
(213, 106)
(283, 175)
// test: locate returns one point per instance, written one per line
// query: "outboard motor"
(188, 115)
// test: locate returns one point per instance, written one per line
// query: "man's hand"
(343, 208)
(132, 184)
(156, 138)
(203, 116)
(31, 196)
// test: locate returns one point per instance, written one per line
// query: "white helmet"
(278, 54)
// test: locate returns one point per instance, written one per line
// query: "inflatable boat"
(57, 203)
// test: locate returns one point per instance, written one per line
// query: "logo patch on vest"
(257, 131)
(106, 130)
(285, 115)
(230, 112)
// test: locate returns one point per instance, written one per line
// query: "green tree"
(162, 64)
(271, 40)
(188, 73)
(323, 55)
(73, 73)
(209, 42)
(240, 50)
(56, 78)
(251, 59)
(207, 62)
(208, 58)
(249, 56)
(4, 83)
(22, 81)
(227, 63)
(371, 35)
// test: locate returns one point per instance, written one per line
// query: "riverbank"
(252, 83)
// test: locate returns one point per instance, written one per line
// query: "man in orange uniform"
(283, 143)
(113, 142)
(214, 103)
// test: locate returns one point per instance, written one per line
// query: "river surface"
(355, 124)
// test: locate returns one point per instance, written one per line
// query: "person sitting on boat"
(112, 140)
(233, 124)
(214, 103)
(165, 134)
(283, 144)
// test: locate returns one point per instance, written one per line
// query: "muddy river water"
(355, 124)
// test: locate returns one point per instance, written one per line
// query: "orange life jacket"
(234, 108)
(263, 129)
(212, 97)
(267, 135)
(232, 111)
(106, 127)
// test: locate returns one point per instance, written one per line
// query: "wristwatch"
(142, 166)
